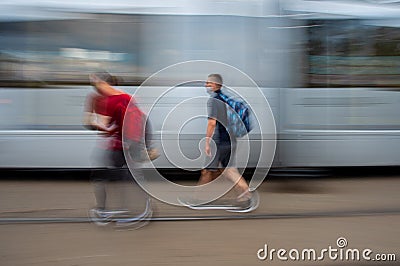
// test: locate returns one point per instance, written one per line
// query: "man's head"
(102, 81)
(214, 82)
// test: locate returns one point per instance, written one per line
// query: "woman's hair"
(107, 77)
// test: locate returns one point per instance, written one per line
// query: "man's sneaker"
(136, 221)
(228, 203)
(99, 217)
(243, 204)
(189, 201)
(104, 217)
(254, 201)
(247, 205)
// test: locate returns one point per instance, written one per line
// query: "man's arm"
(209, 133)
(98, 122)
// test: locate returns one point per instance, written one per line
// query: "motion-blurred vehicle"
(329, 69)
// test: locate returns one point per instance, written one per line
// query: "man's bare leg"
(207, 176)
(241, 187)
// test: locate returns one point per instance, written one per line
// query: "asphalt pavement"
(300, 221)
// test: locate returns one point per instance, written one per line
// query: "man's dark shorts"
(222, 157)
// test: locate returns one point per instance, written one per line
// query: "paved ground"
(293, 215)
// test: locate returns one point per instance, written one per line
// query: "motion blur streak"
(329, 72)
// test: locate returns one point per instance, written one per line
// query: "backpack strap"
(224, 97)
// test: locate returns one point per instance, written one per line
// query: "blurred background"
(329, 70)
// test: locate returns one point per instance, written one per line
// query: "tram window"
(349, 53)
(39, 53)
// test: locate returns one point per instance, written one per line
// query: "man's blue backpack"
(238, 116)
